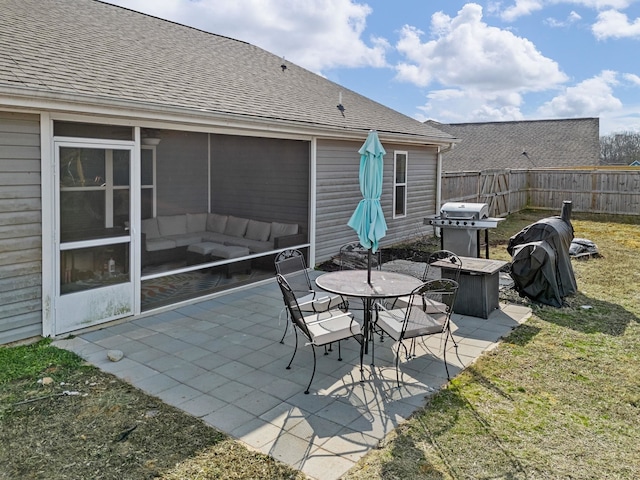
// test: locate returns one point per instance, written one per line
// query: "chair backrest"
(431, 305)
(291, 265)
(354, 256)
(447, 256)
(291, 303)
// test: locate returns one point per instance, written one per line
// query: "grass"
(560, 398)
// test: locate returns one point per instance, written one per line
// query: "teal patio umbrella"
(367, 219)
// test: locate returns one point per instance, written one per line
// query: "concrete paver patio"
(221, 360)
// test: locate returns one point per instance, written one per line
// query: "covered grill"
(461, 227)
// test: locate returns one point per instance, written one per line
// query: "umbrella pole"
(369, 267)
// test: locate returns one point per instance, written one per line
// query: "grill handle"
(461, 218)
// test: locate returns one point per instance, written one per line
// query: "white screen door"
(93, 239)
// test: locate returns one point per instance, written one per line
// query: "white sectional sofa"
(166, 238)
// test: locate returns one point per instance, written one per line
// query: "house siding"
(20, 227)
(338, 193)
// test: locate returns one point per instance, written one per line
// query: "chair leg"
(444, 356)
(406, 354)
(294, 350)
(313, 349)
(286, 327)
(361, 358)
(339, 352)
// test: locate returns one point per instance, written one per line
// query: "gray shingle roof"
(61, 48)
(548, 143)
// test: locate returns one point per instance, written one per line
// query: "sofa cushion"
(155, 244)
(196, 222)
(282, 229)
(254, 246)
(172, 224)
(258, 231)
(215, 237)
(236, 227)
(185, 239)
(150, 228)
(216, 222)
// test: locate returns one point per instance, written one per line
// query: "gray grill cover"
(541, 265)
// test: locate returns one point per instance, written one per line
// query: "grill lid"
(464, 211)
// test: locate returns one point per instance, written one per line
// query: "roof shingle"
(547, 143)
(100, 51)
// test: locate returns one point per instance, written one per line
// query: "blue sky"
(447, 60)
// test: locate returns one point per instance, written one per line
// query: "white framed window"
(148, 181)
(400, 160)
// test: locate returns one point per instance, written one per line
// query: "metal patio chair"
(319, 328)
(291, 265)
(428, 312)
(428, 274)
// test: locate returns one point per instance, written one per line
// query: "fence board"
(595, 190)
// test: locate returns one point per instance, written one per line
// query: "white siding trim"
(313, 175)
(49, 237)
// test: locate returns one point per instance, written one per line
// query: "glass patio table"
(353, 283)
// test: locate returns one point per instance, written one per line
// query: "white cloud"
(455, 106)
(467, 53)
(632, 78)
(521, 8)
(316, 34)
(615, 24)
(588, 98)
(572, 18)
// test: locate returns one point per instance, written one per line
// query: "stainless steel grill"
(461, 225)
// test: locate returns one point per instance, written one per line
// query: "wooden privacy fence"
(613, 190)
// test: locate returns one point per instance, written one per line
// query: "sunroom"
(151, 217)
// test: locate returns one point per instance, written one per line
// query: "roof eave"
(37, 100)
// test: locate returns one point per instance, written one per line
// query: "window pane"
(146, 158)
(401, 168)
(400, 195)
(147, 203)
(94, 267)
(90, 130)
(121, 167)
(82, 167)
(81, 214)
(121, 208)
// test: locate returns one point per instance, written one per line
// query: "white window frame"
(151, 186)
(400, 186)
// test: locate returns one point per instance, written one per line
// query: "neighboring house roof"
(635, 163)
(547, 143)
(85, 51)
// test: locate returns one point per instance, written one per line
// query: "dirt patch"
(415, 251)
(103, 428)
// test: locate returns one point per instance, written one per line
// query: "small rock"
(46, 381)
(115, 355)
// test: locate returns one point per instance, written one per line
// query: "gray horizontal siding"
(20, 228)
(338, 193)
